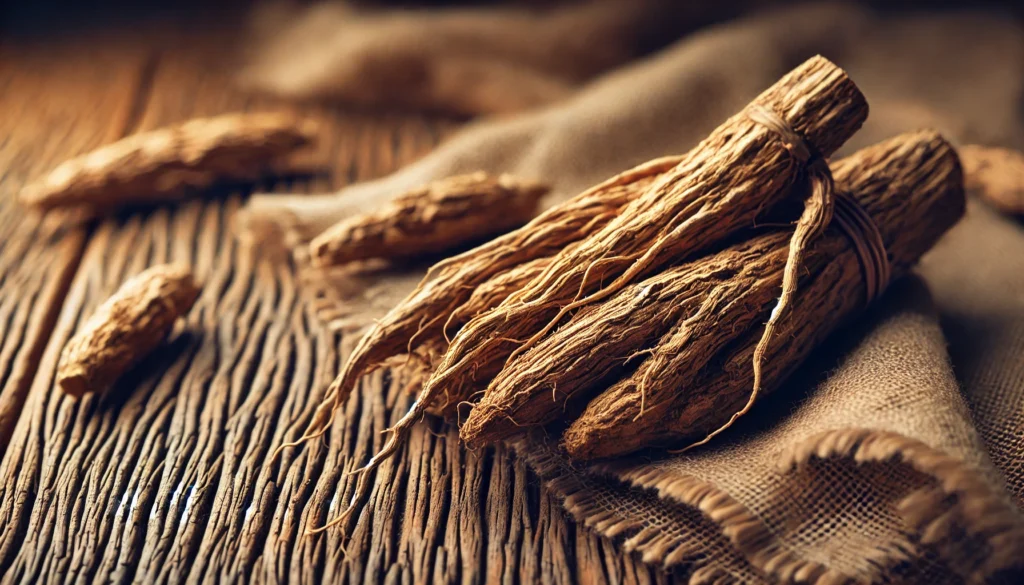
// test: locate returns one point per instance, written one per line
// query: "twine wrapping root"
(820, 207)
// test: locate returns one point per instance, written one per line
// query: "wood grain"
(166, 478)
(57, 101)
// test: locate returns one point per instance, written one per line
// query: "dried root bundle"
(731, 287)
(449, 294)
(716, 190)
(126, 328)
(713, 304)
(160, 165)
(911, 186)
(606, 238)
(647, 310)
(435, 218)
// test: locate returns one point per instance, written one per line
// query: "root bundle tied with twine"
(647, 310)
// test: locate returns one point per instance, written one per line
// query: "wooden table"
(167, 478)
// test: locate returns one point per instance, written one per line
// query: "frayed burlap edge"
(975, 528)
(600, 511)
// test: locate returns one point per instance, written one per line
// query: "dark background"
(45, 17)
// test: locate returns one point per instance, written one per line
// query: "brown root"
(161, 165)
(596, 344)
(910, 176)
(450, 284)
(435, 218)
(708, 197)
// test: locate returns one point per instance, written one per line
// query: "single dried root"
(996, 175)
(437, 217)
(126, 328)
(160, 165)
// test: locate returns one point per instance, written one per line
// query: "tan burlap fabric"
(897, 453)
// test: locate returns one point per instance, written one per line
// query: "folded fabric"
(882, 460)
(458, 60)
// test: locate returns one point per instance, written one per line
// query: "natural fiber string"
(851, 218)
(821, 206)
(867, 243)
(791, 140)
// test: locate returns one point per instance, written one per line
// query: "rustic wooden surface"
(166, 479)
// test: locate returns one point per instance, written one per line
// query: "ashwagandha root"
(743, 169)
(719, 188)
(126, 328)
(741, 172)
(912, 188)
(435, 218)
(161, 165)
(450, 285)
(599, 341)
(996, 175)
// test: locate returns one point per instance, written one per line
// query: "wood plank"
(166, 479)
(58, 100)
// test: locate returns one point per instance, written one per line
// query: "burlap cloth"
(897, 453)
